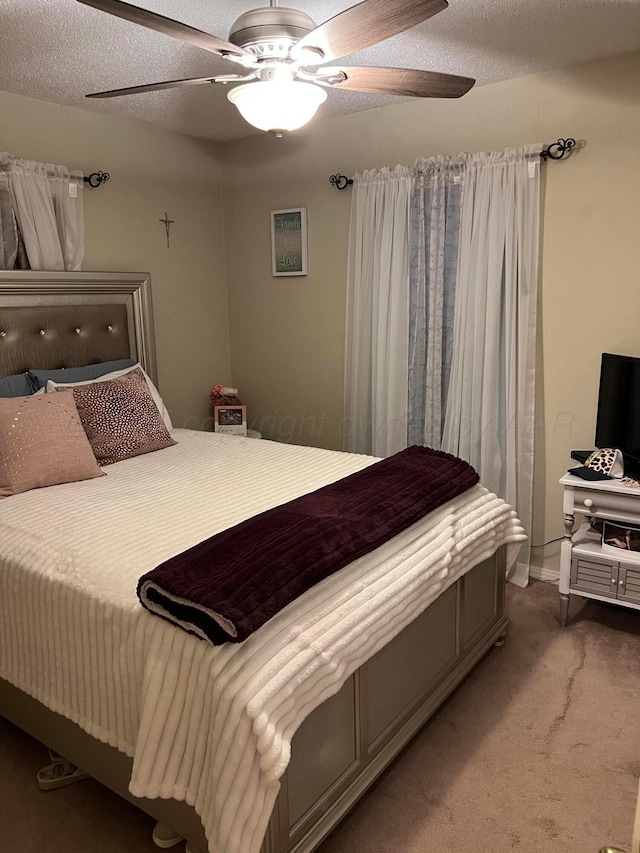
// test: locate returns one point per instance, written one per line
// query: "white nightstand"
(586, 567)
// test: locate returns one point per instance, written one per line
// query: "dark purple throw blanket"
(226, 587)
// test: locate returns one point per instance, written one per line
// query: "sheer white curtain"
(68, 205)
(377, 313)
(490, 406)
(8, 232)
(433, 244)
(492, 262)
(47, 203)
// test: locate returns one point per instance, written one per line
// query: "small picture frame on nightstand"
(231, 420)
(621, 539)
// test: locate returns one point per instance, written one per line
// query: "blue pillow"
(17, 386)
(78, 374)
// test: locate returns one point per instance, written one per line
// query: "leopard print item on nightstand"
(609, 461)
(120, 418)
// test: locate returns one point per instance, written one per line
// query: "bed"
(261, 746)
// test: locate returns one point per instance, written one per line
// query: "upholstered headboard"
(50, 320)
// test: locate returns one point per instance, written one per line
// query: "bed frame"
(347, 741)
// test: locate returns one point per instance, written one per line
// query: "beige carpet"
(538, 751)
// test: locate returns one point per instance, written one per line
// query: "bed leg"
(502, 637)
(163, 836)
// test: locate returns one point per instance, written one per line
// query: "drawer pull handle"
(588, 502)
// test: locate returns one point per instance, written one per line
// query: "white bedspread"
(210, 725)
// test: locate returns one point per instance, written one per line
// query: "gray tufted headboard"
(50, 320)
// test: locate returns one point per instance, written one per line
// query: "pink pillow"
(42, 443)
(120, 417)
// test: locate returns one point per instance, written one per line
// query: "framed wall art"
(289, 241)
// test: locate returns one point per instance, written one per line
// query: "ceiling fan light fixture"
(277, 104)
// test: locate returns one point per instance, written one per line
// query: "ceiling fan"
(279, 47)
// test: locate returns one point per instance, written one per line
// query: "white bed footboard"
(345, 743)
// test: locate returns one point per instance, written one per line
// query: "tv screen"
(618, 421)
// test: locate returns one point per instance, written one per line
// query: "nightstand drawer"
(606, 504)
(592, 576)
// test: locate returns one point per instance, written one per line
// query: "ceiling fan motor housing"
(270, 30)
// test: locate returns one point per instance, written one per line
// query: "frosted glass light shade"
(277, 104)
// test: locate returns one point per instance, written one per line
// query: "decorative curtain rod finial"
(96, 179)
(341, 182)
(557, 150)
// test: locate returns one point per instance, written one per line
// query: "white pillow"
(157, 399)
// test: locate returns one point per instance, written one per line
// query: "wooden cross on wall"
(167, 224)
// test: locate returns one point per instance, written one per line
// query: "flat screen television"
(618, 420)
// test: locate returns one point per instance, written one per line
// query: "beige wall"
(287, 334)
(152, 171)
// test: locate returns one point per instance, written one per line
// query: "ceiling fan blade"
(399, 81)
(366, 24)
(167, 26)
(152, 87)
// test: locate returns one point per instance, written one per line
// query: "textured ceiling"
(60, 50)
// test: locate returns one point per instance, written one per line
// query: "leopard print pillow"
(120, 417)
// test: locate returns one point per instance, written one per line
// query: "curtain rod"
(555, 151)
(95, 179)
